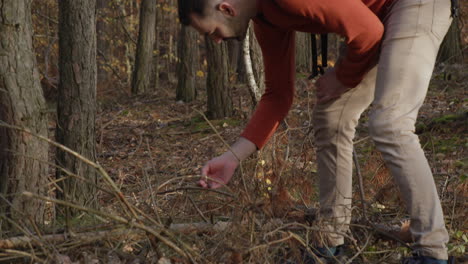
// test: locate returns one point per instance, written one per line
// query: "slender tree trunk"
(303, 52)
(251, 80)
(102, 43)
(76, 108)
(186, 68)
(157, 49)
(219, 94)
(141, 77)
(125, 19)
(23, 157)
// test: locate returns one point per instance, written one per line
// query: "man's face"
(220, 25)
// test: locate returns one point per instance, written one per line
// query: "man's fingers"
(205, 170)
(208, 184)
(202, 184)
(214, 185)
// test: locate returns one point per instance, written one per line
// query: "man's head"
(219, 19)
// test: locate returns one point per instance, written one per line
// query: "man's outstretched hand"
(329, 87)
(219, 171)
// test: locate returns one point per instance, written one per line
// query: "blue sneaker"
(423, 260)
(326, 255)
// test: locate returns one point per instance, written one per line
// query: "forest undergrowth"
(152, 148)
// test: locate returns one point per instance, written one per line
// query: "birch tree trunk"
(254, 68)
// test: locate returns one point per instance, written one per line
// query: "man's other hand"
(329, 87)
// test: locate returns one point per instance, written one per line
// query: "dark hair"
(187, 7)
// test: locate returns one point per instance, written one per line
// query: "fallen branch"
(23, 242)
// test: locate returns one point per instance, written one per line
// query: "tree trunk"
(303, 52)
(156, 47)
(257, 61)
(188, 61)
(141, 77)
(102, 43)
(219, 94)
(23, 157)
(76, 108)
(235, 55)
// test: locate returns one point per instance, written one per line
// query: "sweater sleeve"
(278, 58)
(351, 19)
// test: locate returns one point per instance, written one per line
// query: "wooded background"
(137, 103)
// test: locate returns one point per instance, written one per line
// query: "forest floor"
(153, 147)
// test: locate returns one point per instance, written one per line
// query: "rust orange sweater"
(359, 21)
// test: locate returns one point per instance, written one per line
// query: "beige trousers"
(396, 88)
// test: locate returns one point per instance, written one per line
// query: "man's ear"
(227, 9)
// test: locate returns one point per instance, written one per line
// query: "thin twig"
(196, 189)
(361, 185)
(64, 170)
(98, 167)
(153, 197)
(230, 149)
(350, 260)
(24, 254)
(290, 236)
(198, 210)
(112, 217)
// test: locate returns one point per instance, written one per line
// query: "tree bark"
(257, 61)
(76, 108)
(251, 80)
(141, 77)
(186, 67)
(157, 48)
(303, 52)
(235, 55)
(102, 42)
(219, 94)
(22, 157)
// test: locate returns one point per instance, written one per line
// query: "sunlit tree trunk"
(76, 108)
(188, 61)
(141, 77)
(219, 94)
(257, 61)
(23, 157)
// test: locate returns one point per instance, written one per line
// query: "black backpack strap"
(324, 48)
(319, 69)
(314, 57)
